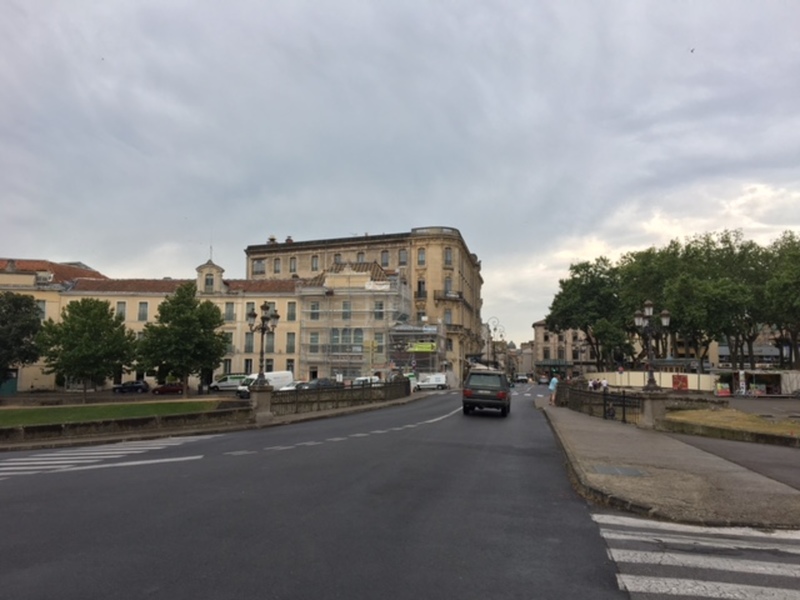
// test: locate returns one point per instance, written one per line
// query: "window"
(290, 365)
(209, 284)
(315, 311)
(379, 342)
(335, 341)
(248, 342)
(561, 354)
(313, 345)
(293, 264)
(560, 337)
(576, 355)
(315, 263)
(378, 313)
(358, 337)
(420, 257)
(546, 337)
(290, 341)
(448, 316)
(291, 311)
(448, 284)
(226, 366)
(269, 365)
(229, 316)
(360, 257)
(276, 265)
(337, 259)
(421, 293)
(270, 341)
(422, 317)
(347, 339)
(229, 342)
(384, 258)
(121, 309)
(258, 267)
(250, 307)
(546, 353)
(402, 257)
(248, 365)
(448, 257)
(346, 311)
(142, 311)
(449, 344)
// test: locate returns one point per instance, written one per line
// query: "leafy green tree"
(783, 290)
(90, 343)
(184, 339)
(587, 297)
(19, 323)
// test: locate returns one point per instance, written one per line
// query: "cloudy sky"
(137, 134)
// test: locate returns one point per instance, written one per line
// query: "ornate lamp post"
(267, 322)
(642, 320)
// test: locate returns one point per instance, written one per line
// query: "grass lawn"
(15, 417)
(729, 418)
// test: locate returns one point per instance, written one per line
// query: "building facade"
(444, 277)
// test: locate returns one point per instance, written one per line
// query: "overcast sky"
(137, 134)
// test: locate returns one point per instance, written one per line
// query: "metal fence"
(606, 404)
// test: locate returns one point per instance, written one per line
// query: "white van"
(227, 382)
(367, 381)
(277, 379)
(431, 381)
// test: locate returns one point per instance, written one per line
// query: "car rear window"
(485, 380)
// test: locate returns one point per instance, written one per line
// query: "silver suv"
(487, 389)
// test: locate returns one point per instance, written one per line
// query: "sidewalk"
(650, 473)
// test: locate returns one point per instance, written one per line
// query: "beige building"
(444, 278)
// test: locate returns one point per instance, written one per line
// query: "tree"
(184, 339)
(90, 343)
(783, 291)
(19, 323)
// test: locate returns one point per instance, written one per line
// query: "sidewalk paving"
(653, 474)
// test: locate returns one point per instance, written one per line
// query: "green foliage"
(16, 417)
(90, 342)
(184, 339)
(19, 324)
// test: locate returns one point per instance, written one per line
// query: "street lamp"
(642, 320)
(267, 322)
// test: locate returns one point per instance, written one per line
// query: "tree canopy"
(184, 339)
(90, 343)
(20, 321)
(716, 286)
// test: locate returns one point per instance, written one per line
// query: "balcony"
(420, 294)
(451, 295)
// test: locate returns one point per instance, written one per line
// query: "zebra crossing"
(93, 457)
(667, 560)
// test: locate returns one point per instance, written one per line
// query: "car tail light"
(502, 395)
(468, 393)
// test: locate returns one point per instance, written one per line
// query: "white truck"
(431, 381)
(277, 379)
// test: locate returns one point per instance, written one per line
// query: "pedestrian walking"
(553, 385)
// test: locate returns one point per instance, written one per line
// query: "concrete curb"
(724, 433)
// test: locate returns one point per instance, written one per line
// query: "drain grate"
(612, 470)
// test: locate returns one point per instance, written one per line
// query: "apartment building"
(443, 275)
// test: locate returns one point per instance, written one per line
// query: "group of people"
(600, 385)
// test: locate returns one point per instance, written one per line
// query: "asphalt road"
(416, 501)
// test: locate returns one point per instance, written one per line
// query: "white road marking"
(698, 541)
(309, 443)
(705, 589)
(693, 529)
(336, 439)
(356, 435)
(279, 448)
(695, 561)
(135, 463)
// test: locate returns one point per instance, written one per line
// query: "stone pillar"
(261, 399)
(654, 408)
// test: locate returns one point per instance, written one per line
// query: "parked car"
(522, 378)
(486, 389)
(168, 388)
(295, 385)
(320, 383)
(366, 381)
(544, 380)
(229, 382)
(131, 387)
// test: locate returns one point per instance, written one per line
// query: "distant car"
(320, 383)
(522, 378)
(295, 385)
(131, 387)
(168, 388)
(229, 382)
(544, 380)
(486, 389)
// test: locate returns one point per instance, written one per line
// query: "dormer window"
(209, 283)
